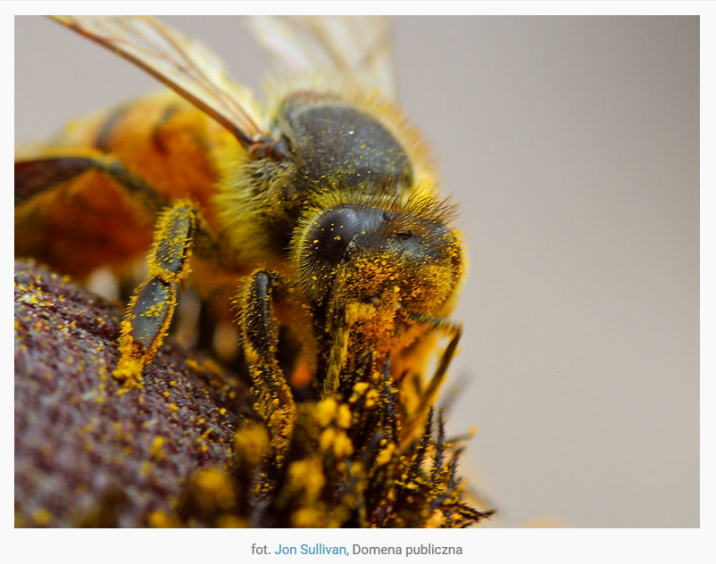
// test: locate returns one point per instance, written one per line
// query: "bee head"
(377, 265)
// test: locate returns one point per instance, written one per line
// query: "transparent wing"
(357, 45)
(186, 66)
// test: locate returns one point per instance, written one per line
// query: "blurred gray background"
(572, 144)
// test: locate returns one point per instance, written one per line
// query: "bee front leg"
(427, 396)
(259, 338)
(150, 310)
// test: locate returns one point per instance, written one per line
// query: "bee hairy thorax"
(331, 139)
(328, 147)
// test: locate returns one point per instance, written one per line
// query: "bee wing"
(186, 66)
(357, 45)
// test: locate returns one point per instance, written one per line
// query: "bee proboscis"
(317, 208)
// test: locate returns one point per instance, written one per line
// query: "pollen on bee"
(344, 416)
(309, 475)
(41, 516)
(385, 455)
(325, 410)
(342, 445)
(327, 438)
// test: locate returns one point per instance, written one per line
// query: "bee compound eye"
(335, 229)
(333, 232)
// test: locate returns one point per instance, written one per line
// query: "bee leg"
(150, 310)
(180, 228)
(259, 338)
(336, 361)
(427, 397)
(445, 360)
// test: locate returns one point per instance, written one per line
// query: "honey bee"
(317, 207)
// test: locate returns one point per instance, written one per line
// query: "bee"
(317, 207)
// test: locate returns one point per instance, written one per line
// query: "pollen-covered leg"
(427, 396)
(336, 361)
(150, 310)
(259, 337)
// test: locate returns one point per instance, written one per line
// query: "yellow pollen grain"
(155, 450)
(360, 387)
(307, 474)
(216, 482)
(325, 410)
(327, 438)
(41, 516)
(229, 521)
(385, 455)
(161, 520)
(344, 416)
(306, 517)
(342, 445)
(252, 443)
